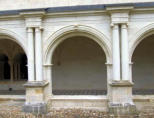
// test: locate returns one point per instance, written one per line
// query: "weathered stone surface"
(14, 110)
(35, 108)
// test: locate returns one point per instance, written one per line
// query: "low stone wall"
(13, 109)
(15, 112)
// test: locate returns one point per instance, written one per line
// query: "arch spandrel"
(138, 37)
(77, 30)
(7, 34)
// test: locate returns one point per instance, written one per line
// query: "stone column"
(38, 54)
(31, 72)
(11, 70)
(2, 70)
(116, 52)
(15, 71)
(19, 72)
(48, 76)
(124, 52)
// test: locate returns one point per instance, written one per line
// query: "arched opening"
(4, 67)
(20, 63)
(143, 67)
(79, 68)
(13, 69)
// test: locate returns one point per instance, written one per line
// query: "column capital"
(114, 26)
(124, 26)
(48, 65)
(108, 64)
(131, 63)
(29, 29)
(10, 62)
(38, 29)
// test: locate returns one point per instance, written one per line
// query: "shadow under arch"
(7, 34)
(141, 55)
(138, 37)
(12, 43)
(79, 30)
(72, 31)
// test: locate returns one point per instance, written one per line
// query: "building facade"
(83, 55)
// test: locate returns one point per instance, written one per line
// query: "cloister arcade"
(89, 57)
(79, 67)
(142, 69)
(13, 66)
(71, 73)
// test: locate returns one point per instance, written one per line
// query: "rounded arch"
(77, 30)
(7, 34)
(140, 35)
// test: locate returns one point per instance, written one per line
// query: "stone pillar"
(38, 54)
(48, 76)
(116, 52)
(31, 71)
(124, 52)
(11, 70)
(2, 70)
(19, 72)
(15, 71)
(35, 98)
(121, 103)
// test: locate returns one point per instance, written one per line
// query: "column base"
(121, 104)
(35, 102)
(39, 108)
(121, 92)
(123, 111)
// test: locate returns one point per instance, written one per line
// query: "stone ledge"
(121, 83)
(36, 84)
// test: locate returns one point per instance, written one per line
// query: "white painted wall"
(79, 64)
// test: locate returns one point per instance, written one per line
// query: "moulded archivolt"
(77, 30)
(7, 34)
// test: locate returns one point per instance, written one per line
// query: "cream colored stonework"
(26, 4)
(39, 34)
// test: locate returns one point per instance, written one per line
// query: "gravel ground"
(13, 110)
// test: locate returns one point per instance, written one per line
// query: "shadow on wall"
(143, 67)
(79, 67)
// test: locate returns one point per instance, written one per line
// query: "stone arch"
(7, 34)
(140, 35)
(77, 30)
(10, 37)
(138, 44)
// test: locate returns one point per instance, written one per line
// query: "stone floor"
(12, 109)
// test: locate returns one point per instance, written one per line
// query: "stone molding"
(121, 83)
(77, 30)
(36, 84)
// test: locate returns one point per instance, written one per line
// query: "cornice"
(121, 9)
(78, 10)
(27, 14)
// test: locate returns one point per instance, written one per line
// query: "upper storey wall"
(27, 4)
